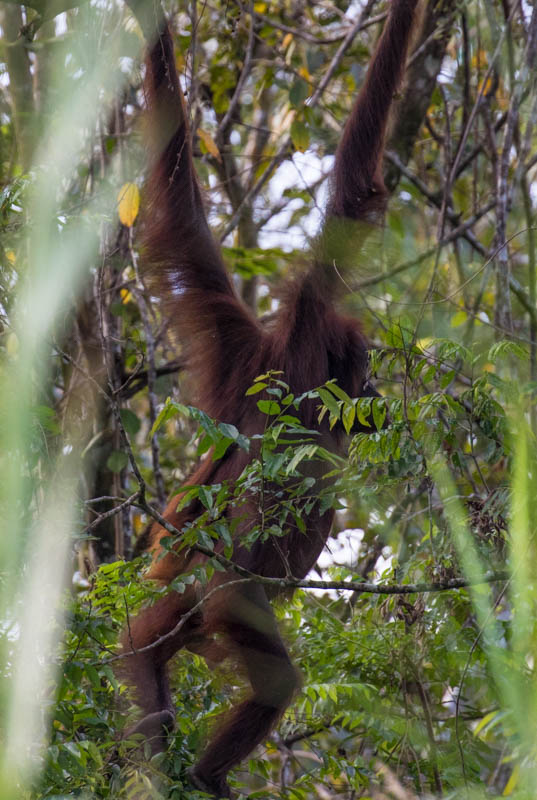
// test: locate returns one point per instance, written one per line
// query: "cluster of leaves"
(379, 673)
(90, 711)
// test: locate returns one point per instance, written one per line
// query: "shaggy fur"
(227, 347)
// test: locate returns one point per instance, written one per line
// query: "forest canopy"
(414, 635)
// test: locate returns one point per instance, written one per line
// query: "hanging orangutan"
(308, 341)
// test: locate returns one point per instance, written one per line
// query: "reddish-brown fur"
(309, 341)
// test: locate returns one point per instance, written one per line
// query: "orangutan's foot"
(218, 787)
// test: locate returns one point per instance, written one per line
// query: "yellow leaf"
(10, 255)
(484, 721)
(287, 39)
(260, 8)
(512, 782)
(488, 86)
(139, 523)
(479, 59)
(305, 74)
(459, 319)
(126, 296)
(209, 144)
(424, 342)
(128, 203)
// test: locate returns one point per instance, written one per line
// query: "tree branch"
(363, 587)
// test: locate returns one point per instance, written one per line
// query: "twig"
(342, 49)
(295, 583)
(112, 512)
(245, 71)
(135, 382)
(503, 307)
(480, 95)
(284, 148)
(472, 155)
(461, 230)
(310, 37)
(175, 630)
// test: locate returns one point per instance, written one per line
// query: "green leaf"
(187, 496)
(223, 532)
(204, 445)
(289, 419)
(269, 407)
(93, 676)
(221, 448)
(47, 417)
(507, 348)
(379, 412)
(228, 430)
(117, 460)
(170, 410)
(338, 391)
(363, 412)
(299, 455)
(300, 135)
(459, 319)
(446, 379)
(329, 401)
(256, 388)
(206, 497)
(298, 93)
(348, 416)
(513, 781)
(484, 722)
(130, 421)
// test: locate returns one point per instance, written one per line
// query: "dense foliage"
(415, 635)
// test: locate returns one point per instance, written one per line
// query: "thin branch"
(394, 159)
(182, 621)
(112, 512)
(480, 95)
(245, 71)
(284, 202)
(433, 750)
(503, 306)
(451, 215)
(135, 382)
(303, 583)
(461, 230)
(310, 37)
(338, 57)
(132, 460)
(284, 148)
(472, 155)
